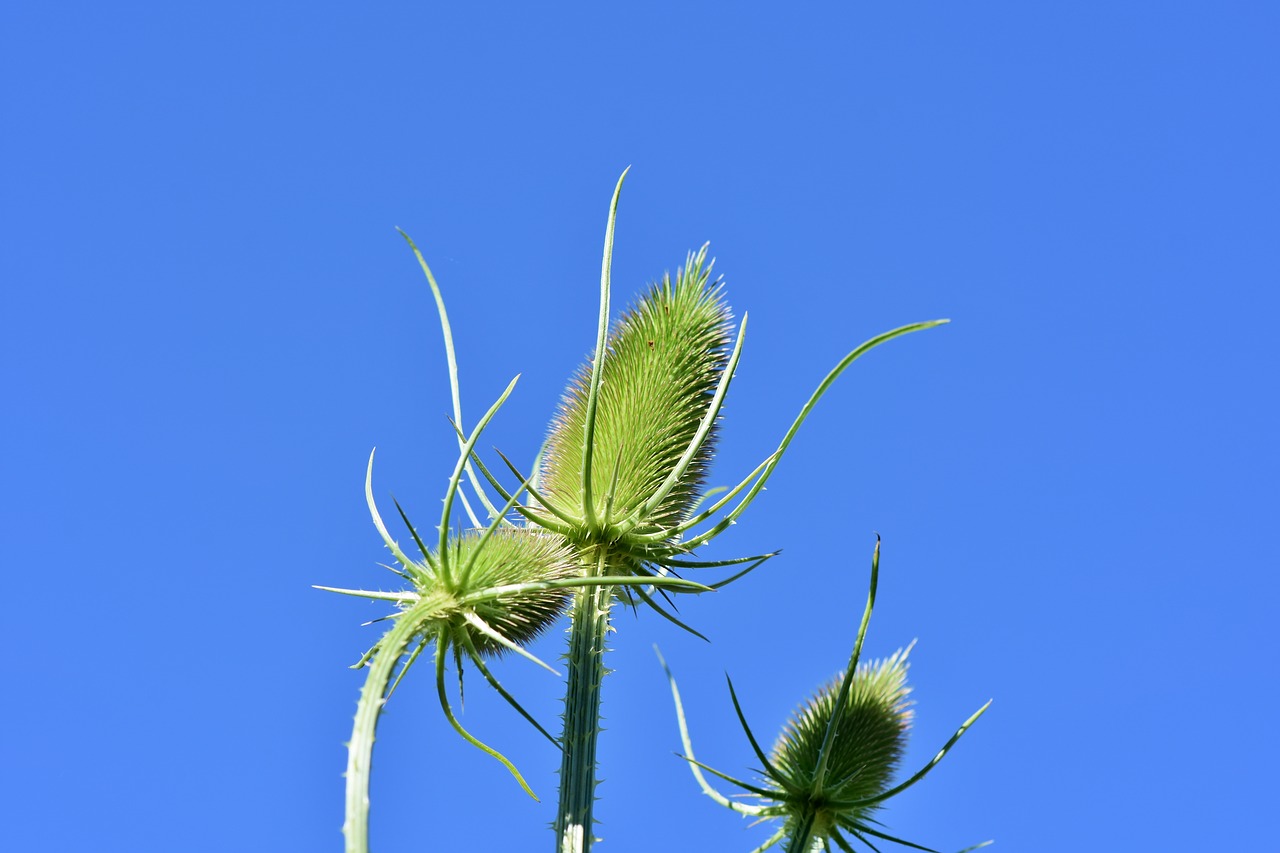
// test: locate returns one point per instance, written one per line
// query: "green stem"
(360, 748)
(574, 825)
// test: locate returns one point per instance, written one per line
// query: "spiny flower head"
(507, 557)
(660, 369)
(480, 590)
(833, 763)
(622, 471)
(871, 740)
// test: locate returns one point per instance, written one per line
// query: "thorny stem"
(574, 825)
(360, 748)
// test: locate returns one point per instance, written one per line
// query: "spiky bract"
(872, 738)
(663, 361)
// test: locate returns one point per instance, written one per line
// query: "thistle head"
(481, 590)
(479, 593)
(833, 764)
(623, 467)
(658, 374)
(871, 738)
(521, 559)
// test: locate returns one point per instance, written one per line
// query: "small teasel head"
(833, 764)
(523, 558)
(872, 734)
(476, 594)
(480, 593)
(489, 588)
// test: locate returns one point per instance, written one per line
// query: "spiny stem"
(574, 825)
(360, 748)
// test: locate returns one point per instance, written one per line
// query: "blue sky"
(208, 319)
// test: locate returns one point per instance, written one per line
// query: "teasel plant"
(831, 768)
(614, 508)
(478, 593)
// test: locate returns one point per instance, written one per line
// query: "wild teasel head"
(658, 375)
(511, 557)
(873, 725)
(478, 594)
(622, 472)
(486, 590)
(833, 764)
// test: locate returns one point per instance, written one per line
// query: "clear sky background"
(207, 320)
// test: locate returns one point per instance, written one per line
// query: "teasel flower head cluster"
(832, 766)
(615, 501)
(474, 594)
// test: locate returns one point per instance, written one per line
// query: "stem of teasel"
(574, 824)
(391, 649)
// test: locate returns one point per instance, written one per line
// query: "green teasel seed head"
(481, 593)
(834, 761)
(509, 556)
(871, 740)
(661, 365)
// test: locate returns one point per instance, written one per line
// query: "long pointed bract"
(452, 360)
(457, 473)
(401, 557)
(502, 691)
(466, 735)
(837, 715)
(597, 360)
(933, 763)
(831, 377)
(687, 743)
